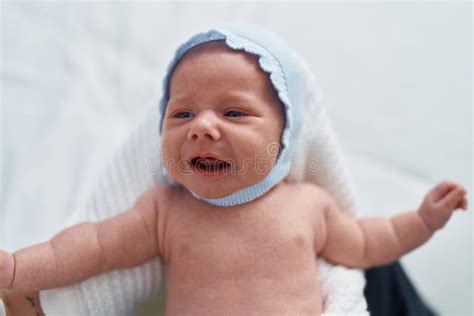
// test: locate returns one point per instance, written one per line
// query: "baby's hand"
(7, 264)
(440, 202)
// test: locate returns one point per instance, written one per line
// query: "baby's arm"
(376, 241)
(21, 303)
(85, 249)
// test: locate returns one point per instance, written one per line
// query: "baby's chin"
(216, 189)
(212, 191)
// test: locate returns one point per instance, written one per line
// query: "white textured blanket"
(137, 167)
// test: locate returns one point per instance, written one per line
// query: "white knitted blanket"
(137, 167)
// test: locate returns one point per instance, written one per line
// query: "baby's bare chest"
(231, 249)
(257, 258)
(267, 240)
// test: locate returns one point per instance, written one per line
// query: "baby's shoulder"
(308, 194)
(161, 190)
(310, 190)
(160, 194)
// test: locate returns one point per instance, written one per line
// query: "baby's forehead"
(217, 54)
(218, 47)
(213, 64)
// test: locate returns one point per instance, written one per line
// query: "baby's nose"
(205, 127)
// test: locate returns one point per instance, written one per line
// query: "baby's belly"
(244, 297)
(243, 278)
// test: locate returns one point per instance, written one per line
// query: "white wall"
(397, 77)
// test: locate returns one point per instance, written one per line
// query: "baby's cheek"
(170, 158)
(262, 161)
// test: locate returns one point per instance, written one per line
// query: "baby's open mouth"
(210, 165)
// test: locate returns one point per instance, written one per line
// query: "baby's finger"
(460, 205)
(442, 188)
(464, 203)
(451, 200)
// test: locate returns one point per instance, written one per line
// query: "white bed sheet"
(76, 78)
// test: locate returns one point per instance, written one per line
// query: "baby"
(235, 238)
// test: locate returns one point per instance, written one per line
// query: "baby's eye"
(183, 114)
(234, 113)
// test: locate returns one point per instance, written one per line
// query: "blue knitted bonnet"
(286, 76)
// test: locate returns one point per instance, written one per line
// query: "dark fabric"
(389, 292)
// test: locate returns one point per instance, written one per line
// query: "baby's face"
(223, 123)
